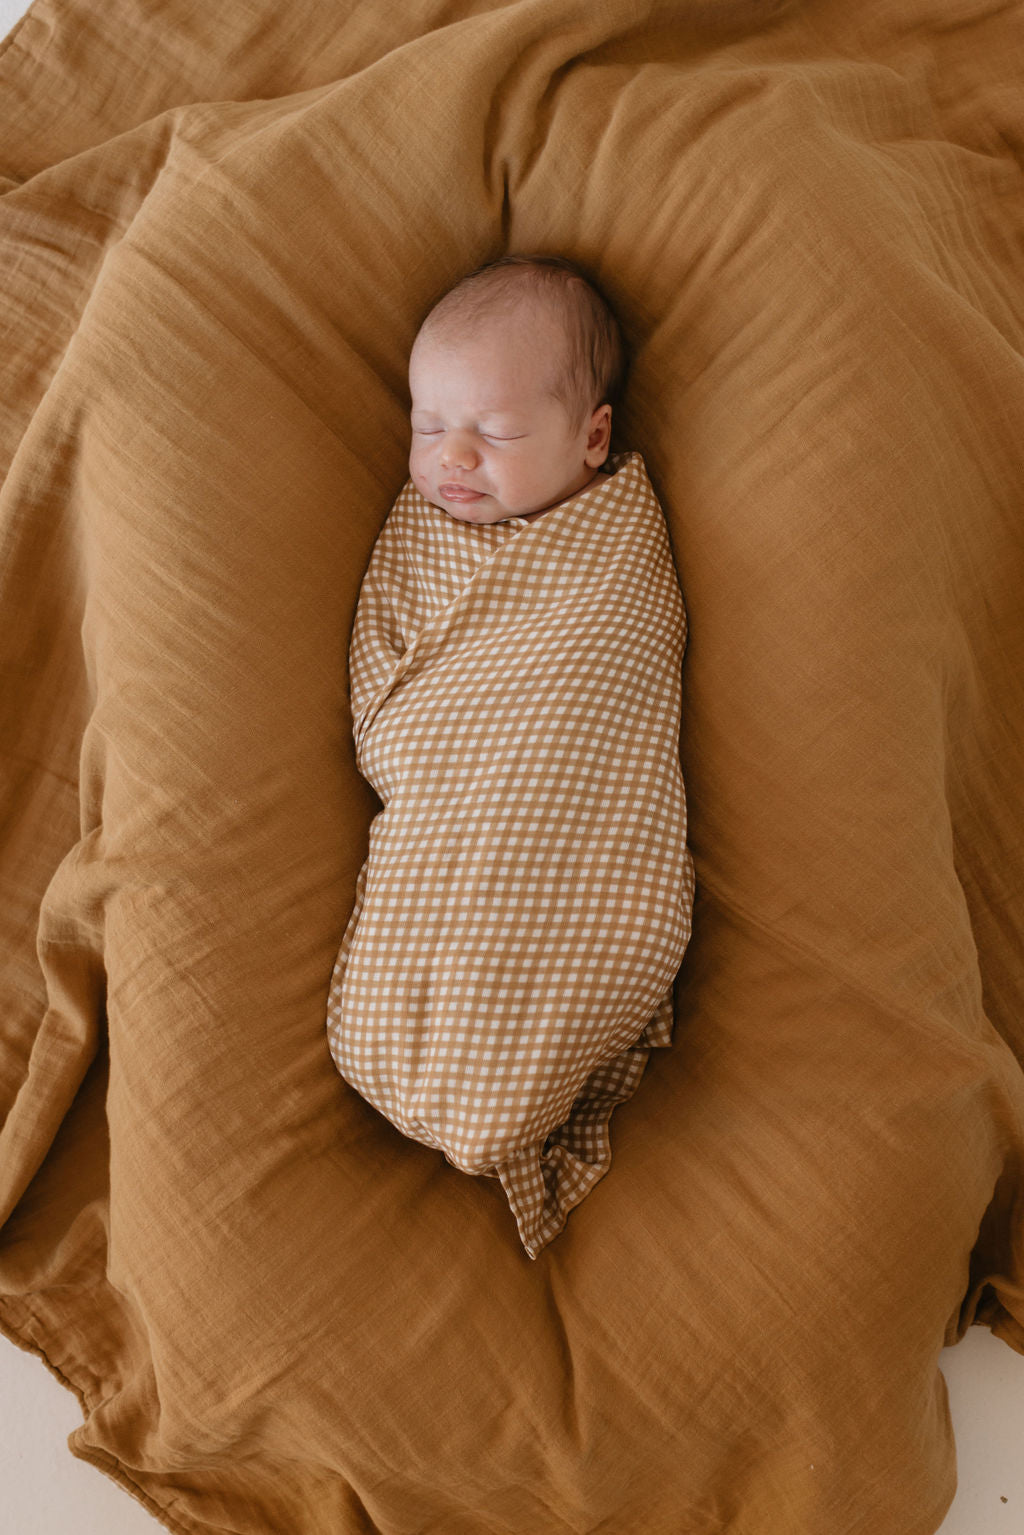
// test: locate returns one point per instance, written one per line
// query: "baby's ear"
(599, 435)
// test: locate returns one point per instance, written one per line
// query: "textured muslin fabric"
(508, 963)
(220, 227)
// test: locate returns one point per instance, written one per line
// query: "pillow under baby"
(527, 896)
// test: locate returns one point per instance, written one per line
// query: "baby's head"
(513, 375)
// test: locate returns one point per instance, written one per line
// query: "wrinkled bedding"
(519, 922)
(219, 230)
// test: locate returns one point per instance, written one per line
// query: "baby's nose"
(457, 451)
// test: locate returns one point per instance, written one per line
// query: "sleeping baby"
(503, 416)
(515, 681)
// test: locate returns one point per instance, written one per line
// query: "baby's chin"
(481, 511)
(485, 510)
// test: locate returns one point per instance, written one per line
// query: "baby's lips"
(454, 492)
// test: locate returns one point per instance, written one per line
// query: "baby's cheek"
(422, 484)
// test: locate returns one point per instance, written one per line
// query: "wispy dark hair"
(593, 369)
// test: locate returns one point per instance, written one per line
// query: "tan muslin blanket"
(526, 902)
(220, 228)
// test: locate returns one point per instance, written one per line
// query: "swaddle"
(527, 895)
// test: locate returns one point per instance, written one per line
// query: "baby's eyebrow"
(484, 415)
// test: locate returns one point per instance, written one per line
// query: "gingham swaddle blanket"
(526, 900)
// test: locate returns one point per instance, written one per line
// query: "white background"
(45, 1491)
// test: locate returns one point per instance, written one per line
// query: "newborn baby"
(515, 684)
(504, 420)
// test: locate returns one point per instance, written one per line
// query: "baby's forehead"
(493, 367)
(529, 318)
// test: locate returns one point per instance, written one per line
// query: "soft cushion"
(220, 228)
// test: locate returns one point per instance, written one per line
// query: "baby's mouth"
(452, 492)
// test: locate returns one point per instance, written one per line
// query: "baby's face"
(488, 440)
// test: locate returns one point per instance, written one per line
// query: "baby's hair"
(593, 368)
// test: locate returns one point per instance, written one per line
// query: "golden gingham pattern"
(526, 899)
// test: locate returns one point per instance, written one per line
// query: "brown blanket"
(219, 230)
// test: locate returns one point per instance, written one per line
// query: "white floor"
(47, 1492)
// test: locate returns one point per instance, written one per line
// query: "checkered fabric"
(526, 899)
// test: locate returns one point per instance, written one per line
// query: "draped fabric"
(220, 228)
